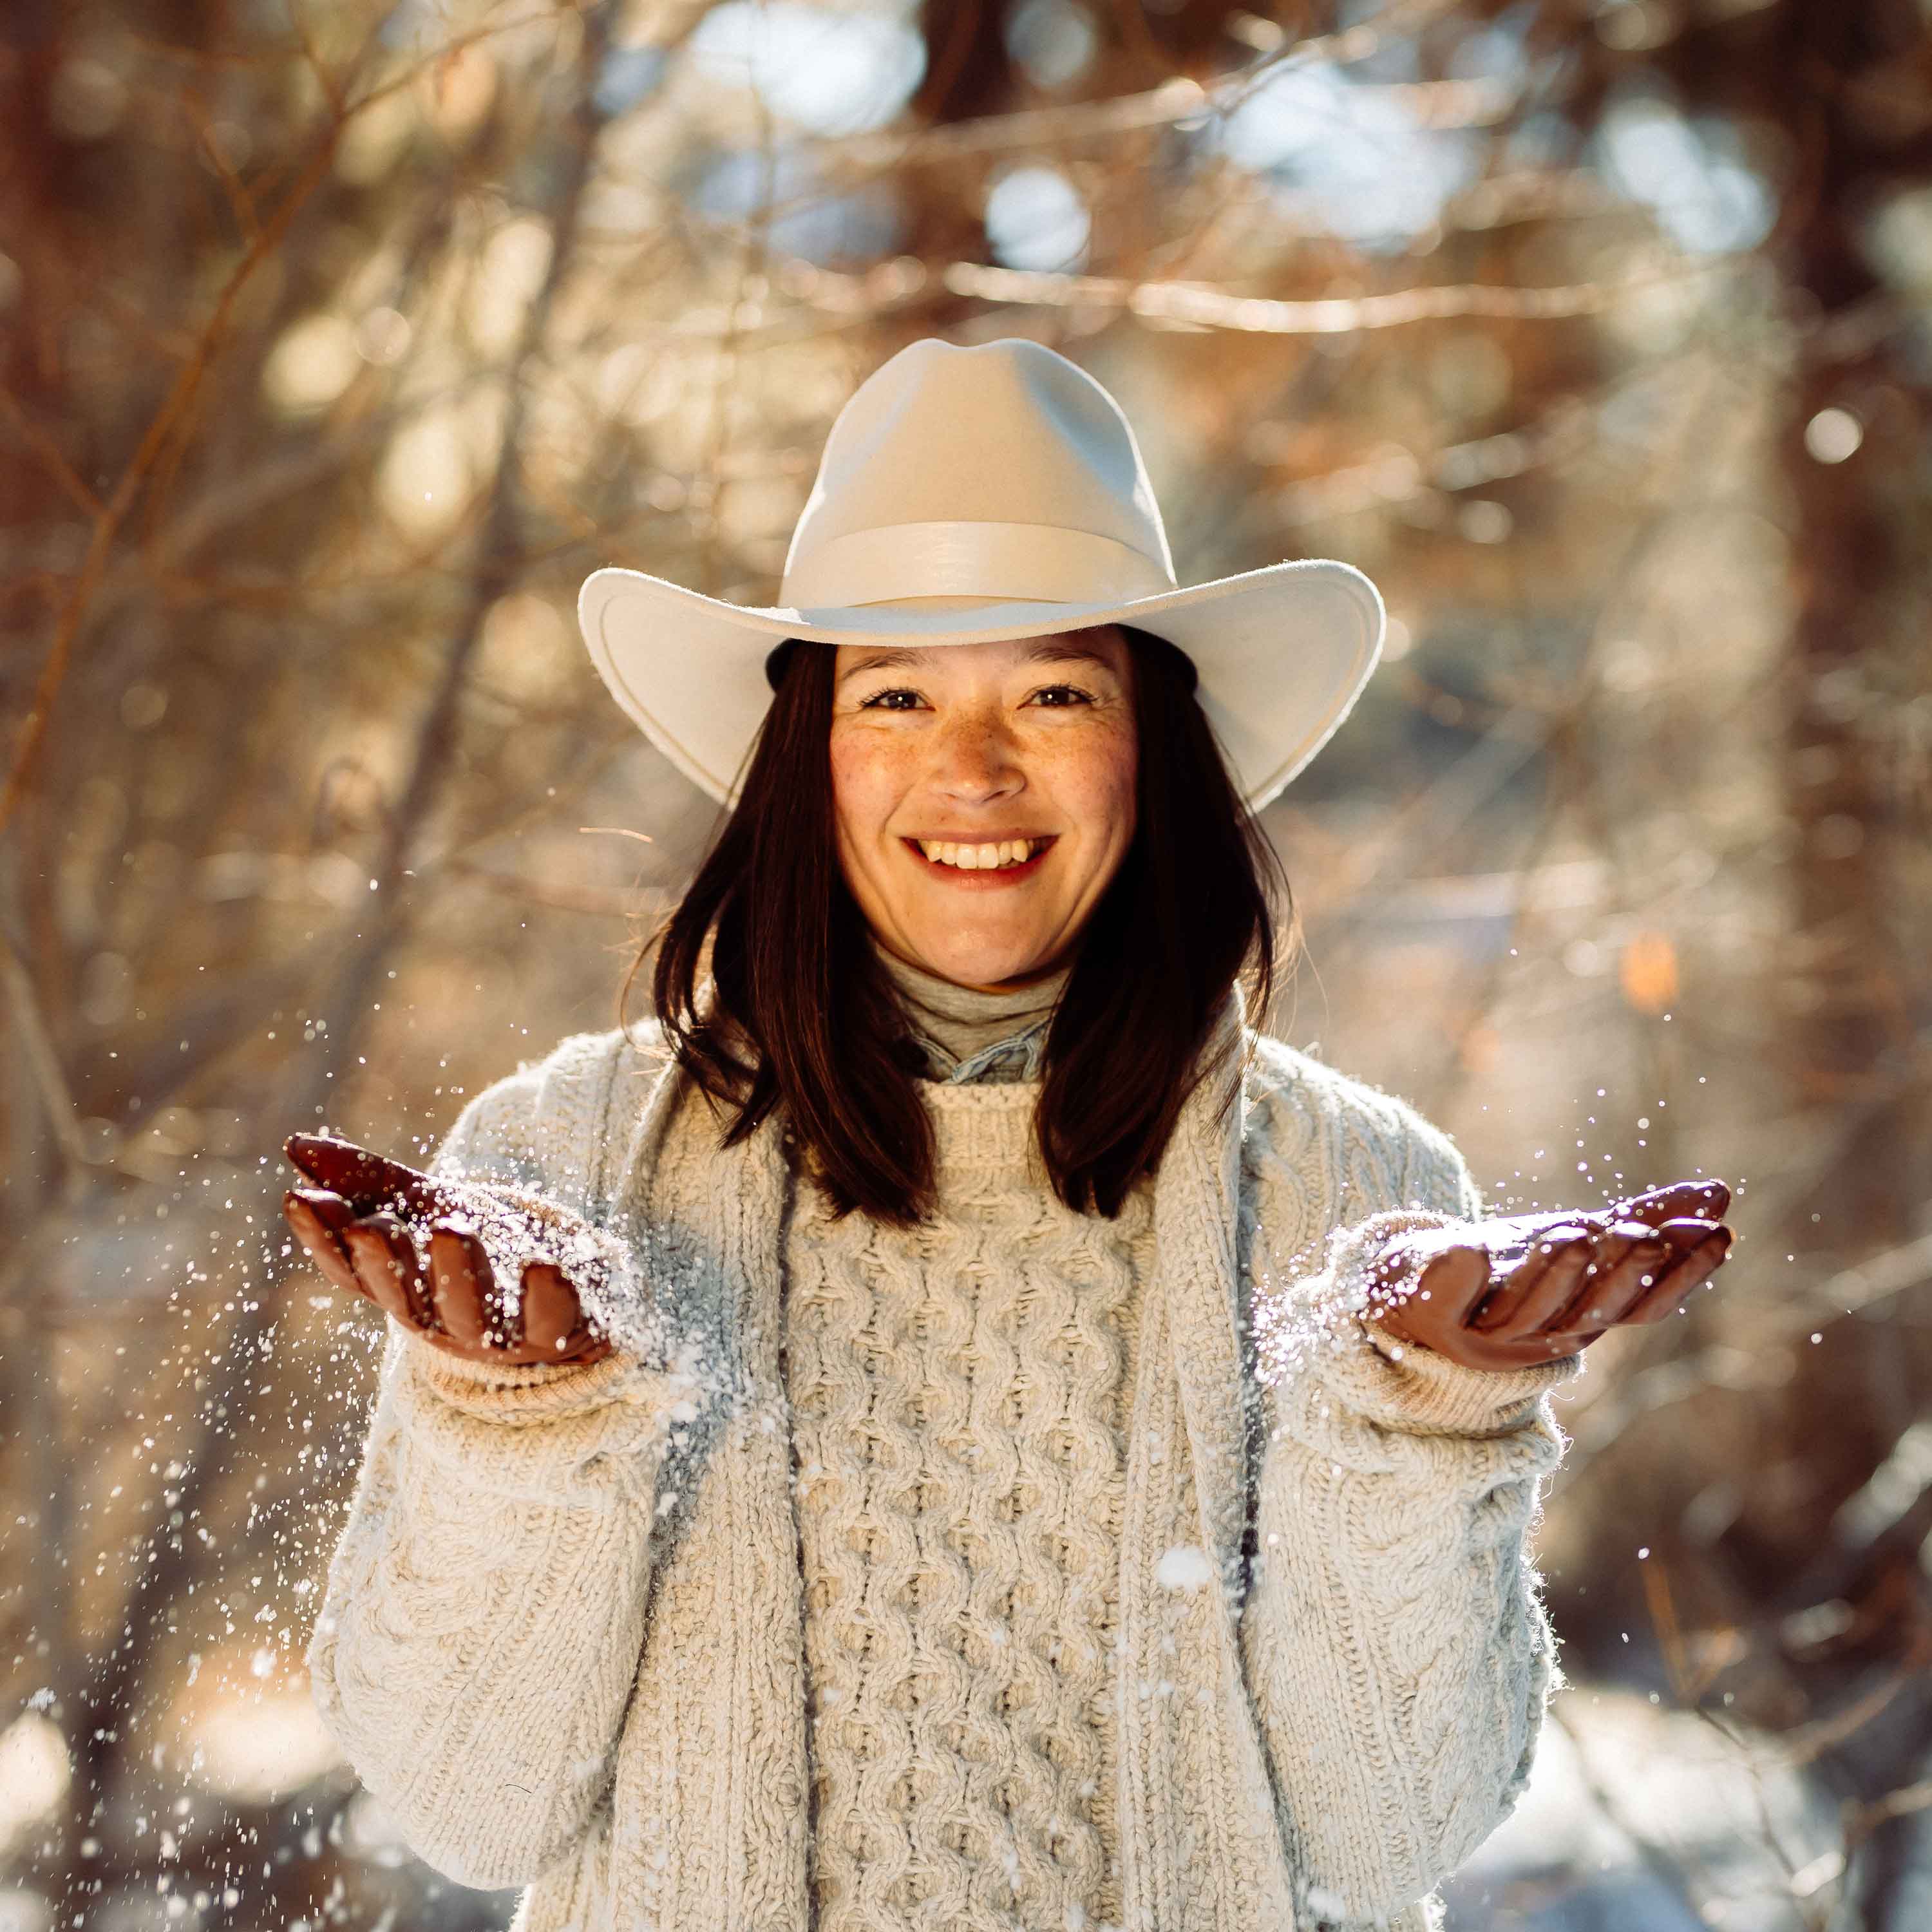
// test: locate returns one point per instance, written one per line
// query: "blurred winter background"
(340, 340)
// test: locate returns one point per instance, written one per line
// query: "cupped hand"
(1518, 1289)
(360, 1222)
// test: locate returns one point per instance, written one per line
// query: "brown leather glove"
(1518, 1289)
(362, 1222)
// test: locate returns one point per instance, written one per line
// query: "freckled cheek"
(1095, 784)
(866, 784)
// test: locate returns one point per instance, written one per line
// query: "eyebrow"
(1044, 650)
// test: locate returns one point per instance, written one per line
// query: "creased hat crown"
(1000, 471)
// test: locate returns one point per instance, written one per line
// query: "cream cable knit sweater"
(573, 1627)
(956, 1393)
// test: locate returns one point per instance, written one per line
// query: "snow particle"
(1184, 1568)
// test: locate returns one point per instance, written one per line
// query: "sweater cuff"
(1404, 1385)
(529, 1392)
(1414, 1386)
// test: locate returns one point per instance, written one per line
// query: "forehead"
(1101, 646)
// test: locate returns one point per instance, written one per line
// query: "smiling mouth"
(958, 856)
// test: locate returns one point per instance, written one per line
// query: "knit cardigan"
(562, 1635)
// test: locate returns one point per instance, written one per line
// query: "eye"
(891, 700)
(1058, 696)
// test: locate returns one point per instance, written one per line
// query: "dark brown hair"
(803, 1020)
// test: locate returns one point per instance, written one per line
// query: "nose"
(973, 758)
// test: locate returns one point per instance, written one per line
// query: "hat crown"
(999, 471)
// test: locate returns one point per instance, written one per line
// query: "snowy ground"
(1638, 1818)
(1642, 1819)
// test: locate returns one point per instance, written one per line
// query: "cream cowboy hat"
(966, 495)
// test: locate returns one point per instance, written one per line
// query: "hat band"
(1030, 562)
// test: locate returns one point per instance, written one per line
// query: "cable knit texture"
(956, 1392)
(781, 1615)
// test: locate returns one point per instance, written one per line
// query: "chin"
(967, 964)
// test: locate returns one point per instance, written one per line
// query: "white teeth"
(978, 858)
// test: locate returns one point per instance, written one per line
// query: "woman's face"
(985, 795)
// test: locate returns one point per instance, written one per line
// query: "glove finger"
(1565, 1279)
(462, 1284)
(318, 1218)
(387, 1262)
(367, 1180)
(1678, 1276)
(1705, 1198)
(553, 1317)
(1621, 1273)
(376, 1269)
(1520, 1279)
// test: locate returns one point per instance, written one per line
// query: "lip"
(995, 879)
(977, 838)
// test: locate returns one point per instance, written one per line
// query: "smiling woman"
(1087, 746)
(971, 1432)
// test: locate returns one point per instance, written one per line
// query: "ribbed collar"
(971, 1035)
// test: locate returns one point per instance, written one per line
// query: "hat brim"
(1281, 654)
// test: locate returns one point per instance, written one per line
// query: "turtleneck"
(959, 1025)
